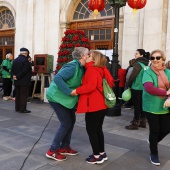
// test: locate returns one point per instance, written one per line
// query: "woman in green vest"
(6, 76)
(58, 95)
(156, 81)
(135, 83)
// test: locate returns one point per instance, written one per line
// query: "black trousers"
(137, 103)
(159, 126)
(21, 97)
(7, 86)
(94, 123)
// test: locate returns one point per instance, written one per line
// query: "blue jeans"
(67, 120)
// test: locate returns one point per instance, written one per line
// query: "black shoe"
(154, 159)
(25, 111)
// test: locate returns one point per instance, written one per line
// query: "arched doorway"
(7, 32)
(100, 30)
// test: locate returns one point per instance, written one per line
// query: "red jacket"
(122, 77)
(91, 92)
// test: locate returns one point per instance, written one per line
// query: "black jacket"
(136, 69)
(21, 68)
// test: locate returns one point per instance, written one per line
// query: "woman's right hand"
(73, 93)
(167, 103)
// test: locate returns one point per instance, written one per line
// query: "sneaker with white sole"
(154, 159)
(6, 98)
(67, 151)
(92, 160)
(105, 158)
(9, 97)
(55, 155)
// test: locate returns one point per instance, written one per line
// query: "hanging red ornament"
(136, 4)
(96, 6)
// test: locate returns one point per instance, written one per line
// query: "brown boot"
(142, 123)
(134, 125)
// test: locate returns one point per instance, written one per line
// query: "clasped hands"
(167, 101)
(14, 77)
(73, 93)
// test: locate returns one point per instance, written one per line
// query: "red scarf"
(163, 82)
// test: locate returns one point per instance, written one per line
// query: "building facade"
(39, 26)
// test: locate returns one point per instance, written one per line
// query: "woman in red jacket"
(91, 102)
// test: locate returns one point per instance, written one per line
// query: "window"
(6, 41)
(99, 34)
(6, 19)
(83, 12)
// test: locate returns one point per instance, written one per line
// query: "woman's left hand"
(167, 103)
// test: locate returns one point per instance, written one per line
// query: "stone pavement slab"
(126, 150)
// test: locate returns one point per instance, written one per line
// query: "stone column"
(168, 34)
(164, 25)
(39, 26)
(131, 30)
(29, 35)
(167, 40)
(21, 8)
(52, 29)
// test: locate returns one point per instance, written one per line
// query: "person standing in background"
(6, 76)
(122, 79)
(108, 64)
(168, 65)
(129, 70)
(21, 73)
(135, 83)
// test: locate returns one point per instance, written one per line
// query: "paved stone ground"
(126, 150)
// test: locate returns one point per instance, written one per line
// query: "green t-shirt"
(151, 103)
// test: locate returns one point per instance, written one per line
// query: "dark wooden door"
(4, 50)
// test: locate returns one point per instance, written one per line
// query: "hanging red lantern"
(136, 4)
(96, 6)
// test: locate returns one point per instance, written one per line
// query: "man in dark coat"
(21, 72)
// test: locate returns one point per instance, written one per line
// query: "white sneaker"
(9, 97)
(5, 98)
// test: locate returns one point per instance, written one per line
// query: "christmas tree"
(72, 38)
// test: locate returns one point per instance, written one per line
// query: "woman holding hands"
(92, 103)
(156, 81)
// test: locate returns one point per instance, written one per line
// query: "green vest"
(151, 103)
(54, 94)
(137, 83)
(8, 64)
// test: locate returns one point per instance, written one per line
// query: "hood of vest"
(143, 60)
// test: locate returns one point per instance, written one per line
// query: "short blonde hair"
(161, 52)
(98, 58)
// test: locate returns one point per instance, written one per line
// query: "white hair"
(78, 52)
(8, 55)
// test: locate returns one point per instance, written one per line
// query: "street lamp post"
(116, 4)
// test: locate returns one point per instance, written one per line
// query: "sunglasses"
(157, 58)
